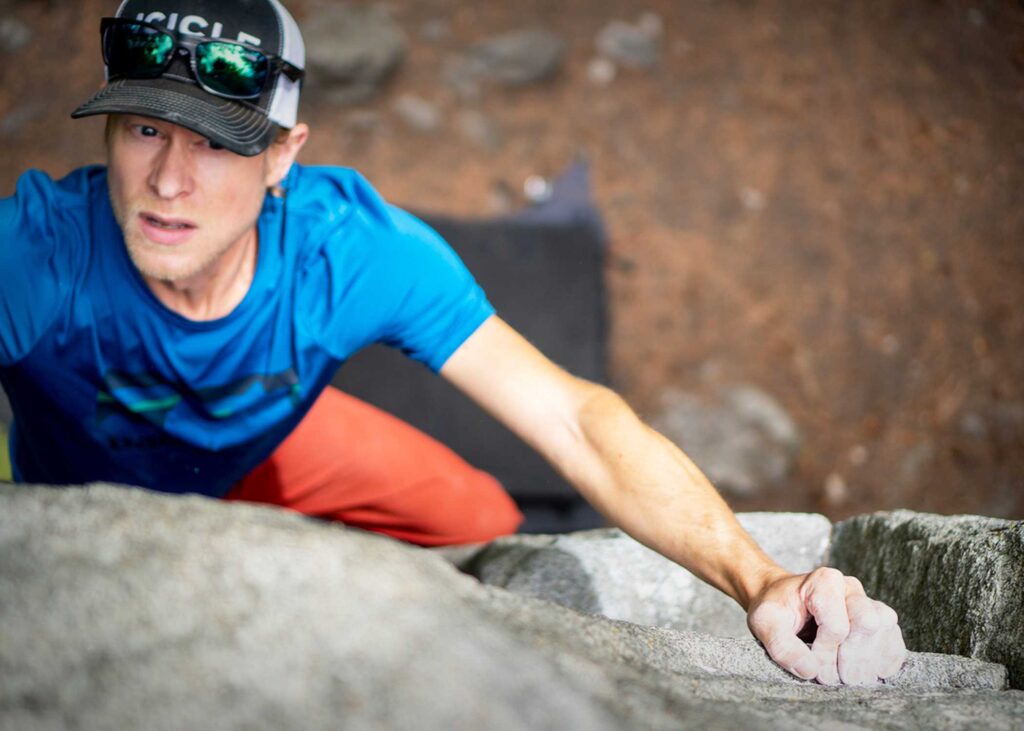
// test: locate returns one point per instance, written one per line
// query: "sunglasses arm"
(292, 72)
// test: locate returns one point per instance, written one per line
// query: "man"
(177, 315)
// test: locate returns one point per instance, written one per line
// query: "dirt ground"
(824, 199)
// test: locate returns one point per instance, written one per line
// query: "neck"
(216, 290)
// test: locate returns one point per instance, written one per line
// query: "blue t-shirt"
(106, 383)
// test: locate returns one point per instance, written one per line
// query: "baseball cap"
(244, 126)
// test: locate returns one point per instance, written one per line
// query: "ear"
(282, 153)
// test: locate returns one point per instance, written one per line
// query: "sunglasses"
(134, 49)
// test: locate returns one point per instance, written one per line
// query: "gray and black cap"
(246, 127)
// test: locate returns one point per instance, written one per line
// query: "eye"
(144, 130)
(214, 146)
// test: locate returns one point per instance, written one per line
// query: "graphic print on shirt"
(152, 398)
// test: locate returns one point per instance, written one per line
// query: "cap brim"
(235, 126)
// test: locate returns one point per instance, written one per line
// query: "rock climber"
(172, 320)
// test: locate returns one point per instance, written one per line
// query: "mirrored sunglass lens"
(231, 69)
(136, 49)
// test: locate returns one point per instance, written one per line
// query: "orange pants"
(351, 462)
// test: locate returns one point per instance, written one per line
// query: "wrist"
(750, 580)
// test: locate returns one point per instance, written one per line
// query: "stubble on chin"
(157, 262)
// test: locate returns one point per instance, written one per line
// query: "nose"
(171, 176)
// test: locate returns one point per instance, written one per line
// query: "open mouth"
(167, 225)
(167, 231)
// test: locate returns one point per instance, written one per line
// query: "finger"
(826, 601)
(864, 615)
(792, 655)
(880, 658)
(853, 585)
(887, 615)
(874, 648)
(857, 656)
(894, 652)
(773, 626)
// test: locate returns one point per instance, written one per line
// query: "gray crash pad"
(122, 608)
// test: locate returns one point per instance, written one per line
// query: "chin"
(164, 266)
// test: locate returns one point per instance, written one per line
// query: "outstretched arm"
(644, 484)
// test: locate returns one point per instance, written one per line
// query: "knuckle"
(852, 582)
(830, 579)
(837, 632)
(886, 614)
(827, 573)
(827, 609)
(865, 615)
(842, 627)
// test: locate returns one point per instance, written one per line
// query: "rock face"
(632, 45)
(956, 582)
(517, 58)
(745, 443)
(606, 572)
(351, 51)
(127, 609)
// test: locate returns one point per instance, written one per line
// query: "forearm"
(646, 485)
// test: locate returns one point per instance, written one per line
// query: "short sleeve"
(380, 274)
(439, 302)
(32, 267)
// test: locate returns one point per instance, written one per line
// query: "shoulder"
(44, 234)
(75, 187)
(332, 195)
(50, 220)
(40, 203)
(378, 273)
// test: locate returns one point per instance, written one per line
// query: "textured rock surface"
(957, 582)
(125, 609)
(745, 442)
(607, 572)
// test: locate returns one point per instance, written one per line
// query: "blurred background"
(814, 208)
